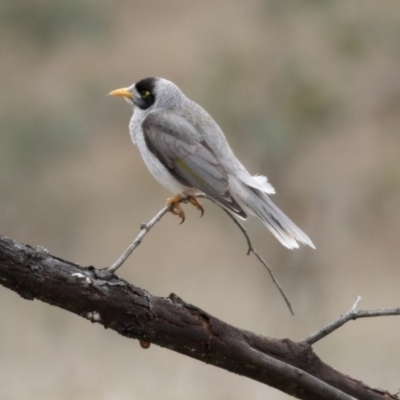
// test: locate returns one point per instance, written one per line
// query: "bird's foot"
(193, 200)
(176, 208)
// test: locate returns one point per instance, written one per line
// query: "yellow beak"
(124, 92)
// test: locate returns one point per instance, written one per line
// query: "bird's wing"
(182, 150)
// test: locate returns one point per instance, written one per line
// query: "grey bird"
(187, 152)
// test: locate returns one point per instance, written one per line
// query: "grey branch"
(251, 249)
(352, 314)
(174, 324)
(145, 228)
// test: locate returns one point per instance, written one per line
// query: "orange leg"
(177, 209)
(193, 200)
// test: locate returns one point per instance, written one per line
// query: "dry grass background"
(307, 93)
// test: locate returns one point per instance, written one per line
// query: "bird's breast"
(156, 168)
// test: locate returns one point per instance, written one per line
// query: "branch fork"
(146, 227)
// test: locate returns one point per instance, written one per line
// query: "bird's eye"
(145, 93)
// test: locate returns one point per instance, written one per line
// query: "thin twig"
(352, 314)
(356, 304)
(262, 261)
(145, 228)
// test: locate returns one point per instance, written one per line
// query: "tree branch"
(145, 228)
(251, 249)
(172, 323)
(352, 314)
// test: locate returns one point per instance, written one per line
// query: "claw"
(176, 208)
(193, 200)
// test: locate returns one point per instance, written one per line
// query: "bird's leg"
(176, 208)
(193, 200)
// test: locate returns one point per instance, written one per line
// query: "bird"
(187, 153)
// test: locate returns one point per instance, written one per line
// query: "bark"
(172, 323)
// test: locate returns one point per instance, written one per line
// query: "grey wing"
(181, 149)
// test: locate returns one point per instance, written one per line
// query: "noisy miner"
(187, 153)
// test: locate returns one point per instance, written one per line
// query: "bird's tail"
(286, 231)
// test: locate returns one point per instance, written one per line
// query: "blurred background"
(307, 93)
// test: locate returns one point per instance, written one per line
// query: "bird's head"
(151, 93)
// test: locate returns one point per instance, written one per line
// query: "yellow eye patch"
(145, 94)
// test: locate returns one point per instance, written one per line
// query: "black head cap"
(146, 93)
